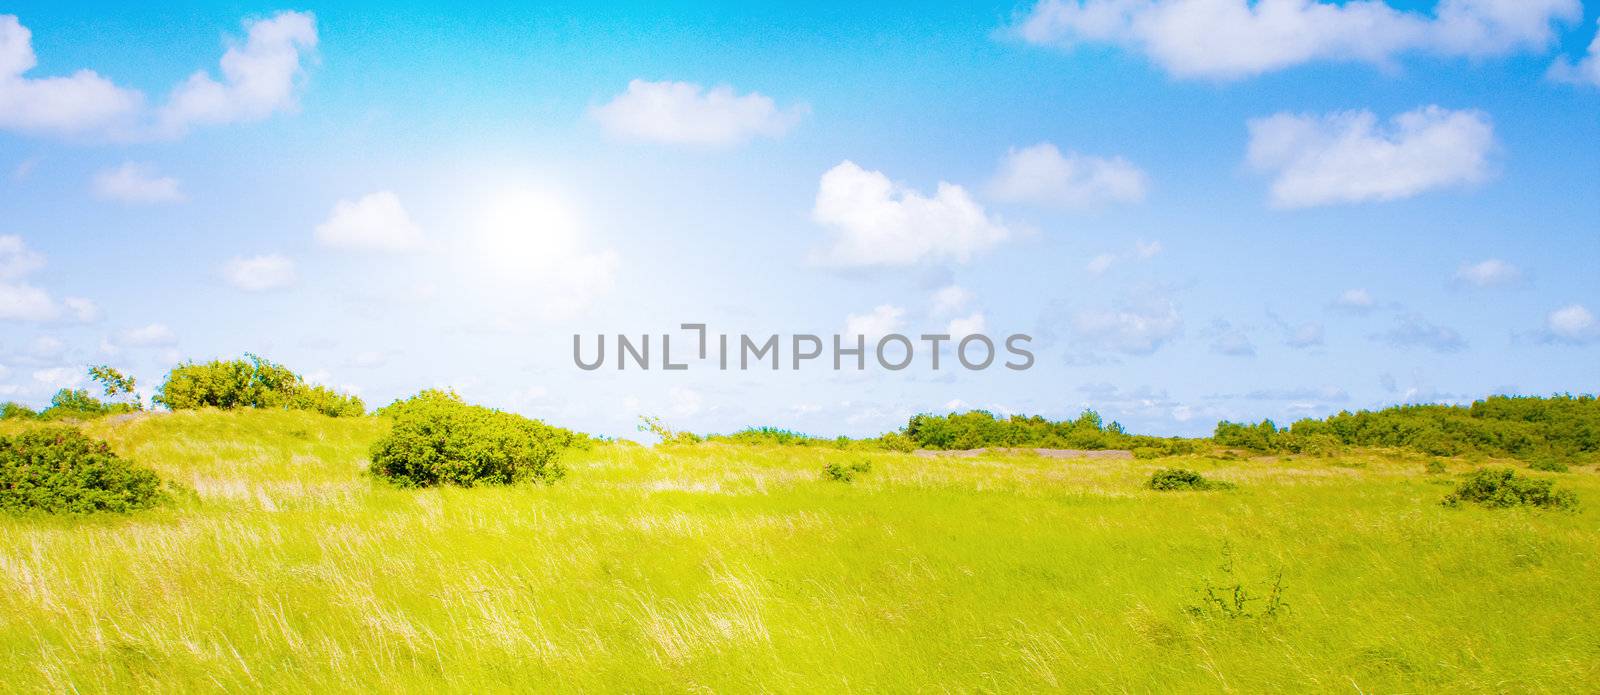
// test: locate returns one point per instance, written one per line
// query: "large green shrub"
(252, 382)
(439, 439)
(60, 470)
(1504, 487)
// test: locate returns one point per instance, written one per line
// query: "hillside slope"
(742, 568)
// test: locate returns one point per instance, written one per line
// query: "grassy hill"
(727, 568)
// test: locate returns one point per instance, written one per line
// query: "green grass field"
(715, 568)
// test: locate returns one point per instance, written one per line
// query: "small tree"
(114, 382)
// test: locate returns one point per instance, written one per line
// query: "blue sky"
(1201, 209)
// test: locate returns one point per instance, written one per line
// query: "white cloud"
(81, 102)
(369, 359)
(1142, 251)
(16, 259)
(972, 324)
(374, 222)
(19, 302)
(1135, 329)
(59, 377)
(881, 321)
(1356, 300)
(1232, 39)
(136, 183)
(1349, 157)
(1586, 71)
(259, 78)
(1228, 339)
(1489, 273)
(1572, 324)
(876, 222)
(685, 402)
(48, 346)
(1412, 330)
(950, 300)
(260, 273)
(82, 309)
(1309, 334)
(686, 113)
(152, 335)
(1041, 175)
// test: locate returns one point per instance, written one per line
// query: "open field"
(736, 569)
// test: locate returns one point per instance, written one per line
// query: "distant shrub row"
(79, 404)
(980, 429)
(773, 436)
(252, 382)
(1524, 427)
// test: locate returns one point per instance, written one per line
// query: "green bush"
(321, 399)
(60, 470)
(438, 439)
(1183, 479)
(894, 441)
(79, 405)
(11, 410)
(252, 382)
(845, 473)
(1548, 465)
(1504, 487)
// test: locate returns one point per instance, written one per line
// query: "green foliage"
(845, 473)
(897, 442)
(77, 404)
(1266, 436)
(775, 436)
(61, 470)
(11, 410)
(114, 382)
(1435, 467)
(658, 427)
(770, 436)
(1184, 479)
(1504, 487)
(1233, 598)
(321, 399)
(252, 382)
(437, 439)
(1549, 465)
(1524, 427)
(980, 429)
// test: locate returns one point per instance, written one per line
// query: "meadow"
(716, 567)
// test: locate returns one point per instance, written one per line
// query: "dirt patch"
(1046, 453)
